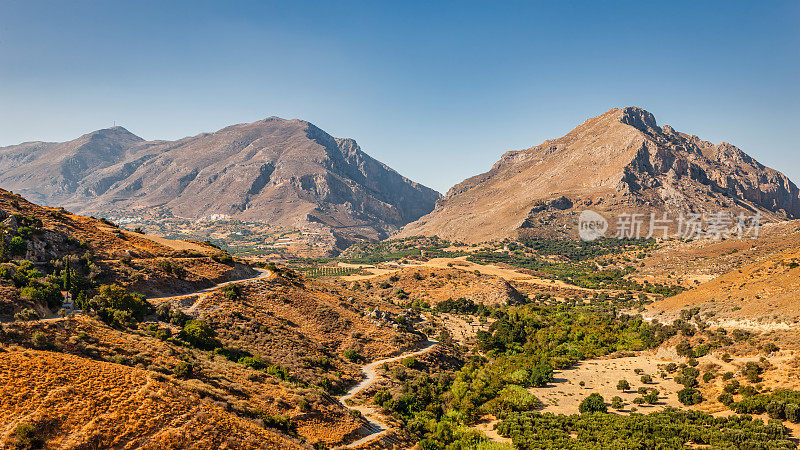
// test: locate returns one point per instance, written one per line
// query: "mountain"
(284, 172)
(618, 162)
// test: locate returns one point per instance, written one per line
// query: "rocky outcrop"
(619, 162)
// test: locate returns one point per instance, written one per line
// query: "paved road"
(262, 273)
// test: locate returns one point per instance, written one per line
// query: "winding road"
(262, 273)
(376, 427)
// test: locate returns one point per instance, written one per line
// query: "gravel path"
(376, 427)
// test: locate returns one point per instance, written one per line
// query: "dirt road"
(376, 427)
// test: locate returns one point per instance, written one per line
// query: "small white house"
(67, 303)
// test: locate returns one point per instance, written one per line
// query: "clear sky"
(437, 90)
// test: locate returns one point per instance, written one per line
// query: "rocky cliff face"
(618, 162)
(284, 172)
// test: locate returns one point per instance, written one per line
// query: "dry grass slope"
(78, 403)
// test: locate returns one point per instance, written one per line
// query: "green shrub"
(253, 362)
(18, 246)
(684, 349)
(115, 297)
(792, 412)
(516, 398)
(593, 403)
(231, 292)
(668, 429)
(123, 319)
(770, 347)
(6, 272)
(409, 362)
(199, 334)
(775, 409)
(541, 374)
(748, 391)
(222, 258)
(381, 397)
(166, 265)
(163, 334)
(752, 372)
(651, 397)
(725, 398)
(352, 355)
(326, 384)
(282, 423)
(26, 314)
(183, 370)
(27, 436)
(40, 340)
(46, 294)
(690, 396)
(279, 372)
(701, 350)
(732, 387)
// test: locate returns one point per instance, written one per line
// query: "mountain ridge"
(285, 172)
(618, 160)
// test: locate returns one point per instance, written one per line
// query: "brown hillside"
(698, 261)
(105, 254)
(294, 321)
(763, 292)
(304, 329)
(435, 285)
(275, 358)
(618, 162)
(73, 402)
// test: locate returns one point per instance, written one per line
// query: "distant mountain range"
(618, 162)
(290, 173)
(284, 172)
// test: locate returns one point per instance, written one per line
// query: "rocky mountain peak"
(618, 162)
(640, 119)
(116, 133)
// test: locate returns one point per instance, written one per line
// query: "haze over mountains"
(284, 172)
(618, 162)
(289, 173)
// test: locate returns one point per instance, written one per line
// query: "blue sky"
(437, 90)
